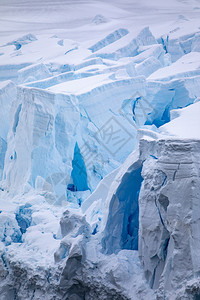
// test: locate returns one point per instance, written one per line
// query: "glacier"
(99, 150)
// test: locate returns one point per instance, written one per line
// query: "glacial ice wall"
(135, 102)
(69, 120)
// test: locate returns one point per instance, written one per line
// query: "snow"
(186, 66)
(111, 38)
(82, 85)
(186, 123)
(36, 72)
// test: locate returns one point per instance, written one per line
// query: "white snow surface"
(185, 123)
(99, 143)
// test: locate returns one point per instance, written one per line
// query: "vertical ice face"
(38, 139)
(8, 92)
(30, 123)
(123, 217)
(79, 172)
(7, 96)
(23, 217)
(3, 148)
(168, 235)
(165, 97)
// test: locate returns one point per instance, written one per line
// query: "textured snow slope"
(99, 149)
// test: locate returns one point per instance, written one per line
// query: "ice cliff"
(99, 151)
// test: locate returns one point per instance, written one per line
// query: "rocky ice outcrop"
(89, 274)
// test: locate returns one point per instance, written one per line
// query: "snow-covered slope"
(99, 149)
(185, 122)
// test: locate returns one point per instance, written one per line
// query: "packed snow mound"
(99, 19)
